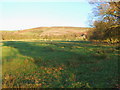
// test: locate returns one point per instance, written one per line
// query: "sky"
(19, 14)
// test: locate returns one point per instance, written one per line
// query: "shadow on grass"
(61, 52)
(45, 55)
(49, 54)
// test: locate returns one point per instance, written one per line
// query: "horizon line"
(44, 27)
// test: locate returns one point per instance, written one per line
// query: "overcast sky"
(24, 14)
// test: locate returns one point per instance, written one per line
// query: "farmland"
(59, 64)
(46, 33)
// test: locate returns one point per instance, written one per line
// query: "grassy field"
(59, 64)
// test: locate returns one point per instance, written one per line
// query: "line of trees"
(106, 20)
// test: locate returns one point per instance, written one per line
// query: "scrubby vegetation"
(59, 64)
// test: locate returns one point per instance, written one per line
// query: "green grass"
(59, 64)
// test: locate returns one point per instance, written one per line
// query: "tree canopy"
(106, 19)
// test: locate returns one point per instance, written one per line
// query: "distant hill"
(45, 33)
(53, 30)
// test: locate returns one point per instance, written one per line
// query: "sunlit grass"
(59, 64)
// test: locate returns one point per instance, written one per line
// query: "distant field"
(42, 33)
(59, 64)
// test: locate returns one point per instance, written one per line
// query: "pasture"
(59, 64)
